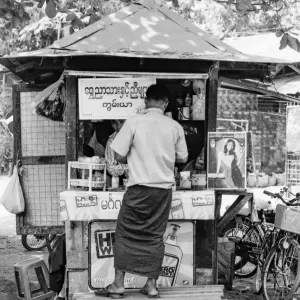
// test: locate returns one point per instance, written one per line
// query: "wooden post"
(71, 119)
(211, 126)
(211, 107)
(212, 101)
(77, 254)
(17, 143)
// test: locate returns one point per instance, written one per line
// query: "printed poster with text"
(112, 98)
(226, 161)
(177, 268)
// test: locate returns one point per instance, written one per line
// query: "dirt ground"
(242, 290)
(14, 252)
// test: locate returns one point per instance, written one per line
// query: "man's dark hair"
(158, 92)
(88, 151)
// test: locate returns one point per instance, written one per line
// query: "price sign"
(202, 200)
(85, 201)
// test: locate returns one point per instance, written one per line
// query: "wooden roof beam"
(235, 65)
(295, 68)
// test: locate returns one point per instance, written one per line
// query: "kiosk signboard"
(112, 98)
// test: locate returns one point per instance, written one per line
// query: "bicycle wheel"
(265, 249)
(246, 236)
(33, 242)
(258, 280)
(281, 273)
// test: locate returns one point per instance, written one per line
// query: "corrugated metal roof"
(266, 44)
(143, 26)
(287, 85)
(146, 29)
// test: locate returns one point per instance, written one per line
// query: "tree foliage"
(33, 24)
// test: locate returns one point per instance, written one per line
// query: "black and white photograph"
(149, 149)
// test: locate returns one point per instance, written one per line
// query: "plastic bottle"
(172, 259)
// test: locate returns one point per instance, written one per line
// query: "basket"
(287, 219)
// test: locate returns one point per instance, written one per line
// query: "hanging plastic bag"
(12, 198)
(50, 103)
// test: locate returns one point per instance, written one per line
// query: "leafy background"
(29, 25)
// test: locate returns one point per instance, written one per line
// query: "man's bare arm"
(121, 159)
(181, 160)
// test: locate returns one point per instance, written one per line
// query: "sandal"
(106, 293)
(145, 292)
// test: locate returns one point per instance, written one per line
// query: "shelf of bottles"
(90, 176)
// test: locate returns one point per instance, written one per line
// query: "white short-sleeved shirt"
(151, 142)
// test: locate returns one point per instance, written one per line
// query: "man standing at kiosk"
(151, 144)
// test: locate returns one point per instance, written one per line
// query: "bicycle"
(282, 256)
(268, 241)
(37, 242)
(248, 237)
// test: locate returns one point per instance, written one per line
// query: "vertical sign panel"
(177, 268)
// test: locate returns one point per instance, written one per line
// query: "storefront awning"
(248, 87)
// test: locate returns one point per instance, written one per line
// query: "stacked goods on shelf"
(87, 172)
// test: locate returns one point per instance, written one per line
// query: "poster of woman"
(226, 162)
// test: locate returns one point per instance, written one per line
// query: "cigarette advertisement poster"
(177, 268)
(112, 98)
(226, 162)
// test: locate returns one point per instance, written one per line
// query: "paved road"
(7, 220)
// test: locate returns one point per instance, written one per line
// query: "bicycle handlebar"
(269, 193)
(277, 195)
